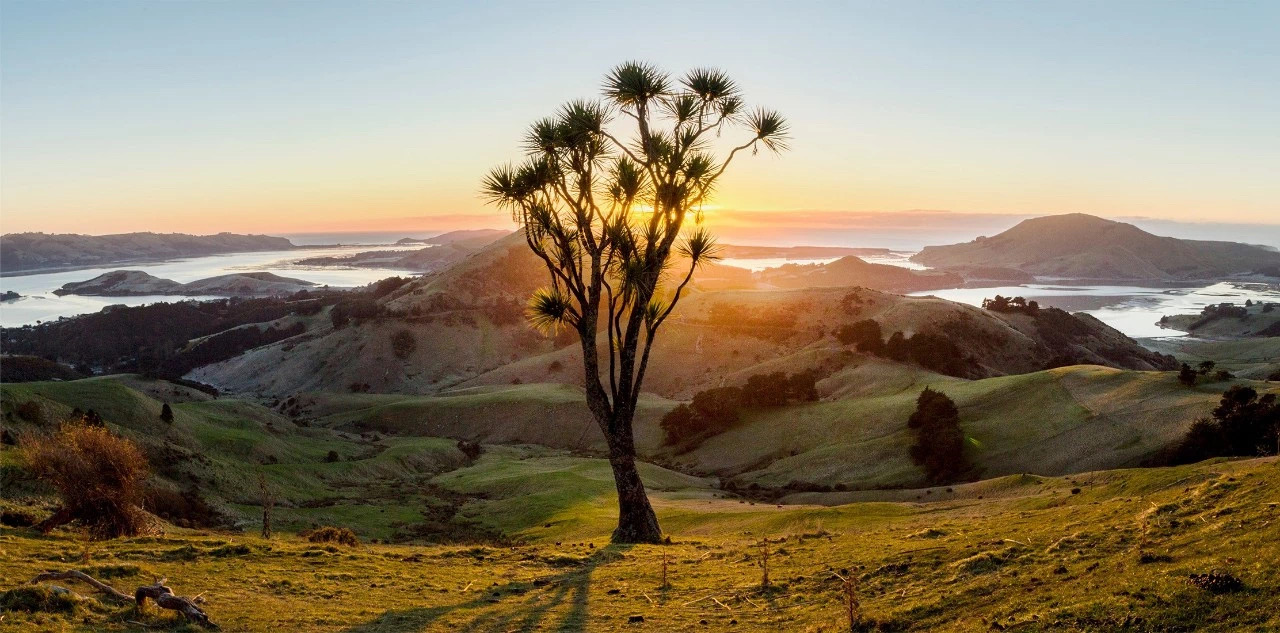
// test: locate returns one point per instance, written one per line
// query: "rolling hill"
(1085, 247)
(850, 271)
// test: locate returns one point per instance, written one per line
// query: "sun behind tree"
(604, 210)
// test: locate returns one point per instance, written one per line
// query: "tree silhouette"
(939, 447)
(1187, 375)
(602, 197)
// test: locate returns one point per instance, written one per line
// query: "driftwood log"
(157, 592)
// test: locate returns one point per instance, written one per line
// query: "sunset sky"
(287, 117)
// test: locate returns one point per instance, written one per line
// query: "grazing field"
(1102, 551)
(514, 536)
(1257, 358)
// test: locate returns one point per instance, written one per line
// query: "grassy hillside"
(1101, 551)
(219, 449)
(1254, 358)
(1051, 422)
(549, 414)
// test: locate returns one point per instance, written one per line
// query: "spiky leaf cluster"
(604, 192)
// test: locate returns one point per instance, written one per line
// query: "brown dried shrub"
(330, 534)
(97, 474)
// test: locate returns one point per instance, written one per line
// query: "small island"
(134, 283)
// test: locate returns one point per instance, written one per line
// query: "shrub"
(166, 413)
(332, 457)
(29, 411)
(403, 344)
(939, 446)
(387, 286)
(1187, 375)
(471, 449)
(865, 334)
(776, 389)
(1011, 304)
(356, 310)
(678, 425)
(1243, 424)
(97, 474)
(330, 534)
(712, 411)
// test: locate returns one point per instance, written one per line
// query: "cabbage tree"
(609, 197)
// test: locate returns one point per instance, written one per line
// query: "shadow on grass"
(518, 607)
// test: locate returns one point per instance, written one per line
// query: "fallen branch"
(165, 599)
(160, 594)
(72, 574)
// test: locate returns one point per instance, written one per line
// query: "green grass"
(1050, 422)
(548, 414)
(1254, 358)
(1114, 557)
(1107, 550)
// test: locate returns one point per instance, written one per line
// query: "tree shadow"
(535, 601)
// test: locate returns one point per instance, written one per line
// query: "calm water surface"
(38, 303)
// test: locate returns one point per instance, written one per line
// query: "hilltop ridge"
(1086, 247)
(42, 252)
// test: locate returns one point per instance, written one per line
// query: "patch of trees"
(1011, 304)
(930, 351)
(384, 287)
(716, 410)
(1213, 312)
(1244, 424)
(1189, 376)
(355, 310)
(34, 368)
(1061, 329)
(939, 445)
(218, 347)
(126, 339)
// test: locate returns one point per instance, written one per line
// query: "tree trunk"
(637, 522)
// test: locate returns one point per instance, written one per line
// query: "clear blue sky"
(278, 116)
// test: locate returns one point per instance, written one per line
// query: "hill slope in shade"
(1080, 246)
(125, 283)
(25, 252)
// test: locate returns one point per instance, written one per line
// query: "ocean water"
(38, 303)
(1132, 310)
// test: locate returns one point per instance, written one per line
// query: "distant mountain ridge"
(1081, 246)
(30, 252)
(127, 283)
(440, 252)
